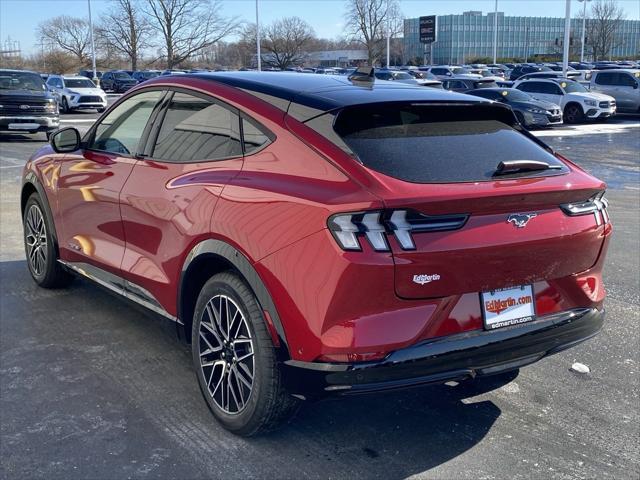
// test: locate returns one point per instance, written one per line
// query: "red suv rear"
(312, 235)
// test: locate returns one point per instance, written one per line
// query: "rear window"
(427, 144)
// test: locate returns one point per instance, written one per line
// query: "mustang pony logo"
(520, 220)
(422, 279)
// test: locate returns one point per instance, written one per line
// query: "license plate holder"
(507, 306)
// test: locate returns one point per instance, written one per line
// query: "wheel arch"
(572, 103)
(208, 258)
(31, 185)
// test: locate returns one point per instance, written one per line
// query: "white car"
(444, 72)
(76, 92)
(577, 102)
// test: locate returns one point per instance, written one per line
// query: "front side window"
(55, 82)
(120, 131)
(573, 87)
(626, 80)
(196, 129)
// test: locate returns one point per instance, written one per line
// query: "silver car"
(623, 85)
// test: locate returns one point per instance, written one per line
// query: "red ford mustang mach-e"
(313, 235)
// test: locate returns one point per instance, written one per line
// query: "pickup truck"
(25, 103)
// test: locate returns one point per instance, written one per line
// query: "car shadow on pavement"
(83, 376)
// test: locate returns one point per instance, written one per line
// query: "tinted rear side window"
(196, 129)
(421, 144)
(254, 138)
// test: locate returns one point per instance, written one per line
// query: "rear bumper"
(454, 357)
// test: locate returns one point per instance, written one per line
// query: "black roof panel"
(321, 93)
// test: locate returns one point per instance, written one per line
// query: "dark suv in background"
(25, 103)
(144, 75)
(89, 74)
(521, 70)
(117, 81)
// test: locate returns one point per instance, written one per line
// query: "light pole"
(258, 38)
(584, 28)
(567, 39)
(495, 34)
(388, 43)
(93, 46)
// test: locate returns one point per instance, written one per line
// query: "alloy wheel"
(36, 239)
(573, 114)
(226, 354)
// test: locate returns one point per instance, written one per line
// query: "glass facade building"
(461, 38)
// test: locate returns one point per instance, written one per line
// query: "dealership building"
(460, 38)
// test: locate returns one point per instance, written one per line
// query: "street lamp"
(584, 28)
(567, 39)
(495, 34)
(93, 47)
(388, 42)
(258, 39)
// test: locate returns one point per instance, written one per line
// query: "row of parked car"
(119, 81)
(538, 99)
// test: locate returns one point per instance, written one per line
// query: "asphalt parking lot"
(91, 388)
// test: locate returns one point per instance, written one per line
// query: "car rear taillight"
(376, 225)
(596, 205)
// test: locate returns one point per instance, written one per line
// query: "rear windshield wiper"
(518, 166)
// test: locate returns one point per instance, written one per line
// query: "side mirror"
(65, 140)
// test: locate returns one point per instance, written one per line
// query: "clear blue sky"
(19, 18)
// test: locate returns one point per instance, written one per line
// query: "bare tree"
(247, 44)
(70, 34)
(285, 41)
(188, 26)
(368, 22)
(125, 29)
(603, 26)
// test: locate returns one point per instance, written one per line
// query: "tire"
(573, 113)
(520, 118)
(64, 105)
(250, 405)
(101, 110)
(40, 249)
